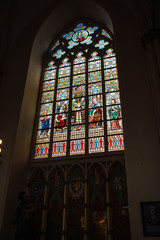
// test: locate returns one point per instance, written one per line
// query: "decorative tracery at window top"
(80, 101)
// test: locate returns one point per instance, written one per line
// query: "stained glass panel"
(77, 131)
(47, 97)
(110, 73)
(79, 68)
(46, 109)
(41, 150)
(59, 149)
(78, 117)
(48, 85)
(111, 86)
(43, 135)
(94, 65)
(78, 104)
(114, 127)
(96, 129)
(79, 80)
(79, 59)
(62, 106)
(113, 112)
(112, 98)
(77, 146)
(96, 145)
(94, 76)
(44, 122)
(110, 53)
(95, 101)
(60, 132)
(109, 62)
(63, 82)
(50, 75)
(95, 88)
(64, 72)
(115, 143)
(95, 115)
(78, 92)
(62, 94)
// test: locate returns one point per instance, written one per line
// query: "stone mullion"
(64, 223)
(44, 213)
(108, 206)
(86, 214)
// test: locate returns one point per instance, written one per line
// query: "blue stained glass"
(68, 36)
(79, 80)
(112, 98)
(63, 94)
(55, 45)
(79, 27)
(95, 88)
(104, 33)
(46, 109)
(59, 53)
(101, 44)
(63, 82)
(91, 30)
(111, 85)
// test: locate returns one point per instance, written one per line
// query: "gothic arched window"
(80, 111)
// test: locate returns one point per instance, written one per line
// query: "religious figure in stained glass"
(45, 125)
(114, 114)
(76, 79)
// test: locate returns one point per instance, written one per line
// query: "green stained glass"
(62, 94)
(46, 109)
(48, 85)
(109, 62)
(113, 112)
(94, 76)
(63, 82)
(110, 73)
(111, 86)
(95, 88)
(50, 75)
(112, 98)
(41, 151)
(47, 97)
(79, 68)
(79, 80)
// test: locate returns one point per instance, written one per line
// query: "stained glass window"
(80, 108)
